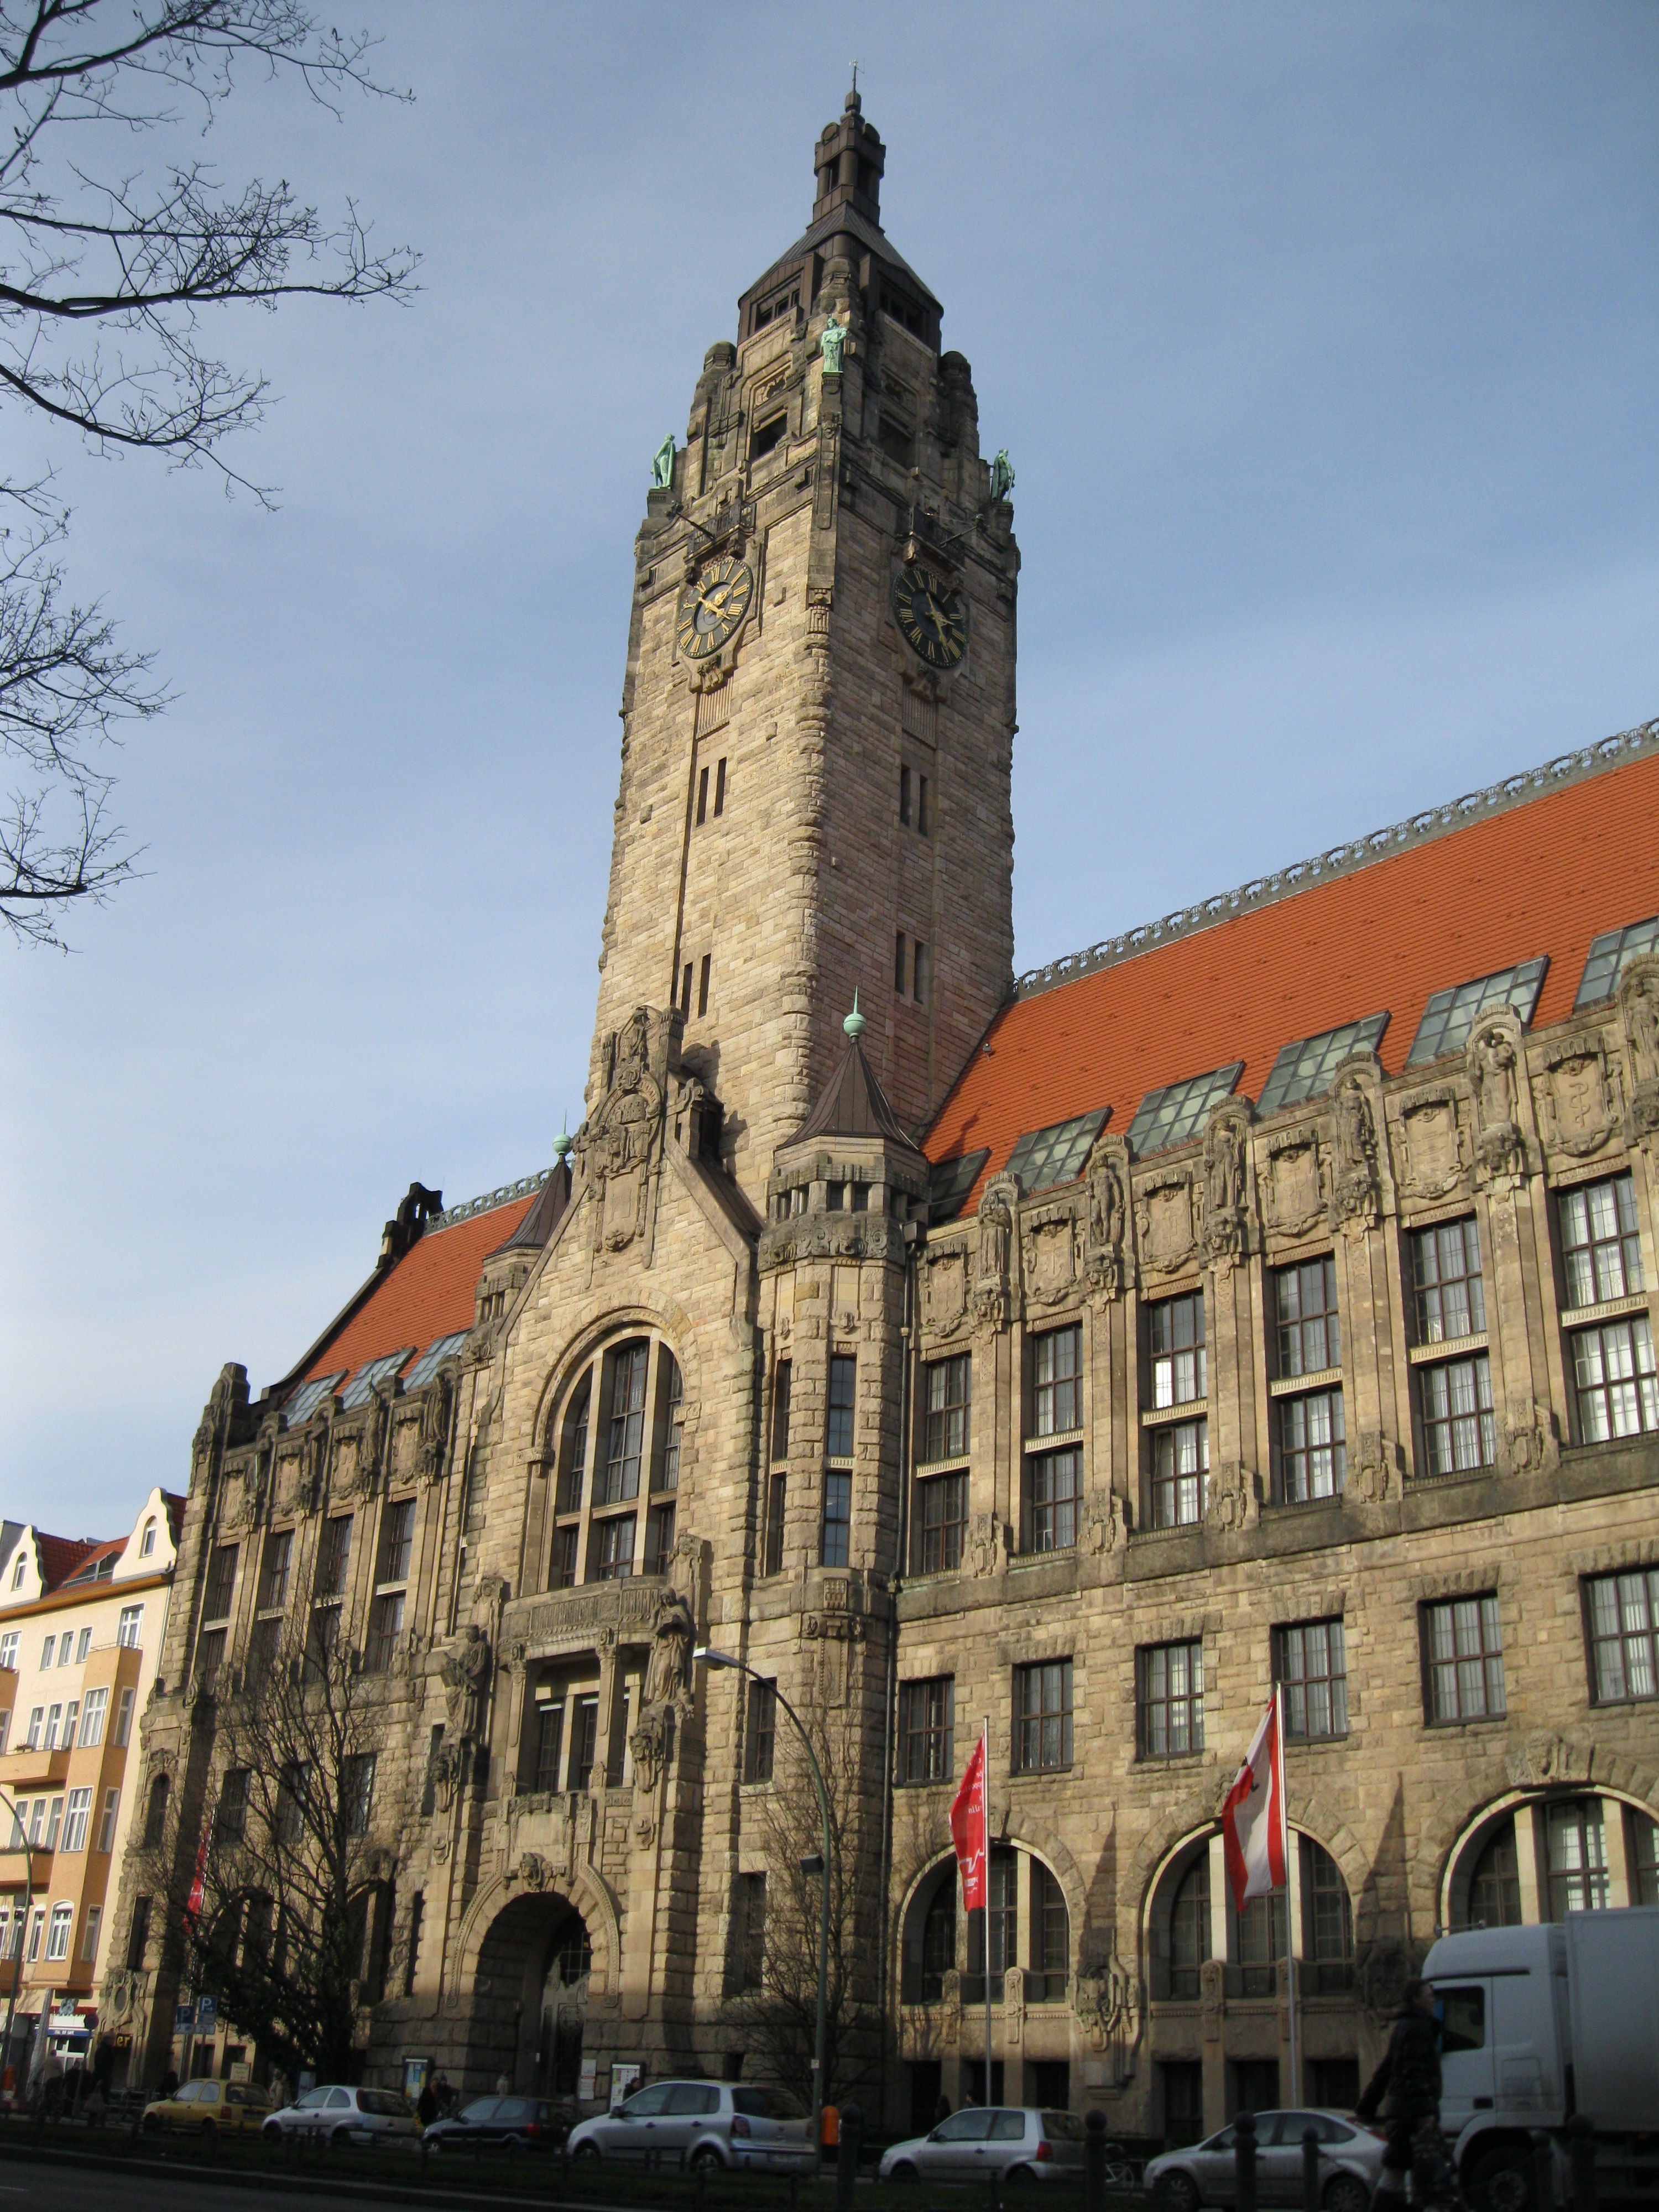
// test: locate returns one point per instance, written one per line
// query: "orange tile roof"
(1545, 876)
(61, 1555)
(429, 1293)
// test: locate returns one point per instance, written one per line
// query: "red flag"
(199, 1881)
(1253, 1818)
(968, 1831)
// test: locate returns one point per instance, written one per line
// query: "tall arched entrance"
(530, 1997)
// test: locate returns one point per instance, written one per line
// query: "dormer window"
(781, 304)
(147, 1541)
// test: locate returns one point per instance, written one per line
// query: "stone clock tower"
(818, 710)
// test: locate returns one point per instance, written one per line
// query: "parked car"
(1350, 2161)
(701, 2123)
(510, 2123)
(205, 2108)
(340, 2115)
(1021, 2142)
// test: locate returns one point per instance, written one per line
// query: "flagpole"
(1284, 1851)
(985, 1800)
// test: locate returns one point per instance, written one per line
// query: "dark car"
(510, 2123)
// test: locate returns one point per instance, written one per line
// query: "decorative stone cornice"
(1344, 859)
(490, 1200)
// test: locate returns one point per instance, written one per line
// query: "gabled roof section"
(61, 1557)
(854, 1104)
(543, 1215)
(1537, 867)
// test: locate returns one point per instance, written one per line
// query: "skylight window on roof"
(371, 1372)
(1607, 956)
(1179, 1110)
(309, 1396)
(1304, 1070)
(1450, 1015)
(949, 1182)
(1056, 1154)
(429, 1361)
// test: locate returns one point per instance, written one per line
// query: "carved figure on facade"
(435, 1417)
(1531, 1445)
(1578, 1099)
(465, 1671)
(1638, 1008)
(1106, 1995)
(1104, 1265)
(987, 1545)
(668, 1669)
(1431, 1144)
(1354, 1193)
(649, 1744)
(1500, 1150)
(944, 1289)
(1377, 1477)
(1297, 1194)
(1223, 1187)
(1166, 1229)
(619, 1142)
(446, 1770)
(1234, 1500)
(1545, 1757)
(993, 1250)
(1048, 1247)
(1103, 1521)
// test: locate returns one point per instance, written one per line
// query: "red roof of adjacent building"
(427, 1294)
(1544, 876)
(61, 1555)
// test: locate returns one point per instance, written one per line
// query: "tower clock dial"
(932, 613)
(713, 607)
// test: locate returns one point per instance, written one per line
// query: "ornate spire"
(847, 161)
(855, 1024)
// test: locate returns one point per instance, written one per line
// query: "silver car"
(701, 2123)
(1350, 2161)
(1020, 2142)
(337, 2114)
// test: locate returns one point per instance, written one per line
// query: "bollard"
(1310, 2170)
(1245, 2161)
(1581, 2150)
(1094, 2161)
(847, 2157)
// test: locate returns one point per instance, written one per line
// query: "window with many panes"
(1312, 1446)
(838, 1428)
(1623, 1617)
(1181, 1470)
(946, 1387)
(1459, 1428)
(1607, 954)
(1170, 1698)
(616, 1437)
(1449, 1016)
(1600, 1245)
(1189, 1929)
(1057, 1382)
(1170, 1114)
(941, 1520)
(1310, 1667)
(274, 1570)
(610, 1549)
(926, 1724)
(777, 1515)
(1001, 1921)
(1304, 1070)
(1576, 1846)
(1308, 1330)
(782, 1375)
(1051, 1939)
(1175, 1350)
(1448, 1296)
(1615, 1384)
(220, 1582)
(1042, 1715)
(617, 1477)
(1054, 1484)
(1327, 1922)
(760, 1731)
(1045, 1158)
(1464, 1659)
(835, 1528)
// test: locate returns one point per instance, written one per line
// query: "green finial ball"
(562, 1145)
(855, 1024)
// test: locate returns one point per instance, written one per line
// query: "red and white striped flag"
(1252, 1826)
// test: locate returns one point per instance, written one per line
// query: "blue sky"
(1323, 339)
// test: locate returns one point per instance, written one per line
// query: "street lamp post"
(20, 1843)
(709, 1657)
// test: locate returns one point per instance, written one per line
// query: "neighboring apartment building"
(1265, 1296)
(80, 1631)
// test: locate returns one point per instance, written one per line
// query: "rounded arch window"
(1547, 1857)
(1031, 1928)
(1181, 1923)
(1181, 1931)
(613, 1455)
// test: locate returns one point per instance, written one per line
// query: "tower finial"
(561, 1142)
(855, 1024)
(853, 100)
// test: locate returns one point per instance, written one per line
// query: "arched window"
(1327, 1923)
(1181, 1924)
(156, 1813)
(1030, 1930)
(1257, 1943)
(939, 1938)
(1578, 1847)
(613, 1443)
(1565, 1851)
(572, 1957)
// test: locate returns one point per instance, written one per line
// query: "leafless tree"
(285, 1897)
(106, 280)
(774, 1966)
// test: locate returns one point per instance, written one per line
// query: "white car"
(1350, 2161)
(1020, 2142)
(701, 2123)
(337, 2114)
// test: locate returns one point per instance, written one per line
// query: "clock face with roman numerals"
(933, 614)
(713, 607)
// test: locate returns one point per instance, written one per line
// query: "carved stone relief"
(994, 1251)
(1048, 1241)
(1166, 1227)
(1493, 1059)
(1377, 1477)
(988, 1545)
(1544, 1757)
(1577, 1097)
(1105, 1266)
(1430, 1145)
(1354, 1198)
(1224, 1185)
(621, 1140)
(1638, 1009)
(1234, 1501)
(1103, 1521)
(1531, 1445)
(943, 1291)
(1297, 1195)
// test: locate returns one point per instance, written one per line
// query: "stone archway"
(530, 1996)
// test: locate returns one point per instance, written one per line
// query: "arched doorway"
(530, 1997)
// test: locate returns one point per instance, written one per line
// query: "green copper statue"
(1002, 475)
(662, 465)
(831, 346)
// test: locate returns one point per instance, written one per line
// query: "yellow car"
(204, 2108)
